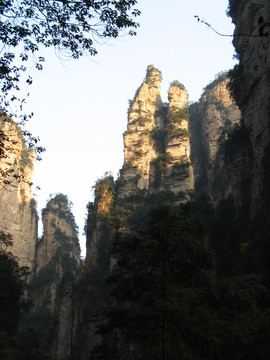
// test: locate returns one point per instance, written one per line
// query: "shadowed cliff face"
(17, 208)
(251, 87)
(51, 291)
(213, 120)
(156, 143)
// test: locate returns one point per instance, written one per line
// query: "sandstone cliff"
(251, 88)
(17, 208)
(98, 227)
(213, 119)
(52, 287)
(60, 234)
(94, 295)
(156, 143)
(156, 160)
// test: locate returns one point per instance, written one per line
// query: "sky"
(80, 107)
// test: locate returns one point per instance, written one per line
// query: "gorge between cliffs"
(177, 247)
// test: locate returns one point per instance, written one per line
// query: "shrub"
(178, 84)
(160, 164)
(179, 115)
(174, 131)
(235, 80)
(219, 78)
(158, 136)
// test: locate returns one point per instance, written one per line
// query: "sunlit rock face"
(17, 208)
(252, 87)
(213, 119)
(98, 235)
(156, 143)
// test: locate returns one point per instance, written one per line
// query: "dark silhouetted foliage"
(12, 286)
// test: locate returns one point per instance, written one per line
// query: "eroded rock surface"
(156, 143)
(17, 207)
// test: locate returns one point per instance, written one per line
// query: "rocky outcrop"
(156, 143)
(17, 207)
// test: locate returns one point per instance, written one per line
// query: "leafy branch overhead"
(71, 27)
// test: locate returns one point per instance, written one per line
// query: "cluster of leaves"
(71, 27)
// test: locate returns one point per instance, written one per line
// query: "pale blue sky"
(81, 106)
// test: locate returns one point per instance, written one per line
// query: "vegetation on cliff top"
(178, 84)
(61, 206)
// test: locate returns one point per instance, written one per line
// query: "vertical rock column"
(52, 288)
(179, 174)
(157, 150)
(138, 145)
(17, 208)
(98, 222)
